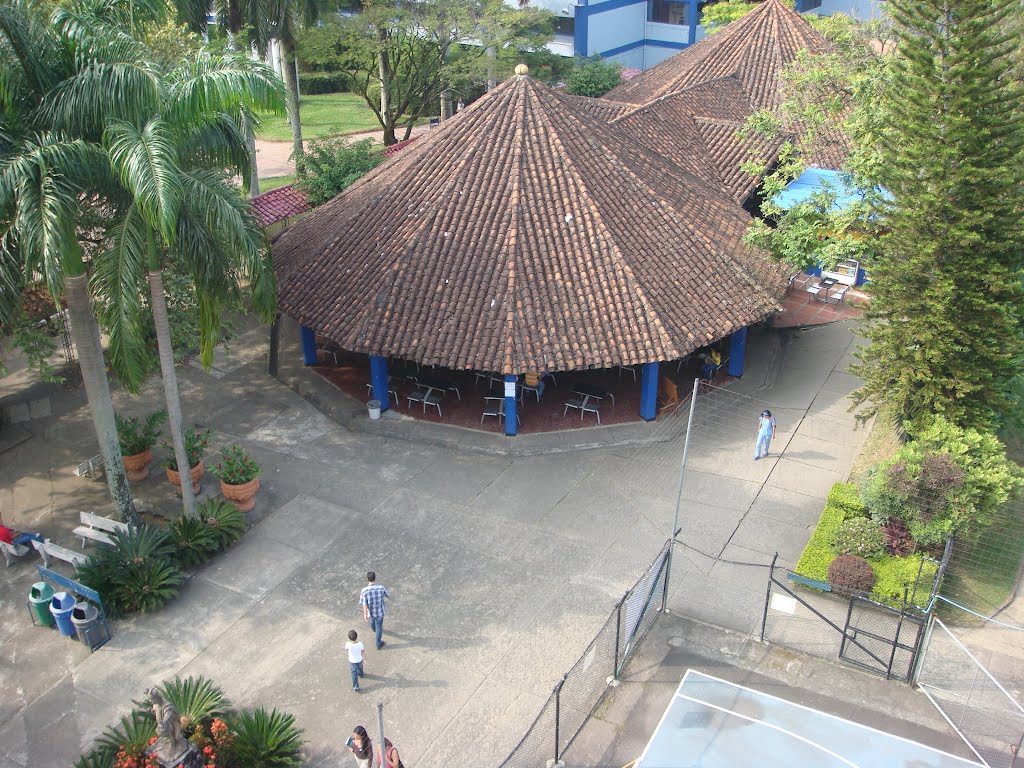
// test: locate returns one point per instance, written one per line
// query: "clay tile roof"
(522, 235)
(698, 129)
(755, 48)
(280, 204)
(602, 109)
(394, 149)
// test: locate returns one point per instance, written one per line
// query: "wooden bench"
(48, 549)
(91, 468)
(97, 528)
(11, 551)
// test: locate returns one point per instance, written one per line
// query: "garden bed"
(894, 575)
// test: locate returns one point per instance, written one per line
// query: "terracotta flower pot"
(137, 465)
(242, 496)
(196, 473)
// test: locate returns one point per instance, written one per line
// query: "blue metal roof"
(815, 180)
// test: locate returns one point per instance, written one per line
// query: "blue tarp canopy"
(815, 180)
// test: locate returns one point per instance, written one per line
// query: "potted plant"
(137, 438)
(195, 444)
(239, 477)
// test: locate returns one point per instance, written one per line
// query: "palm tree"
(46, 171)
(175, 163)
(286, 17)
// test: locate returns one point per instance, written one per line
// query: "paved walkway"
(273, 158)
(502, 568)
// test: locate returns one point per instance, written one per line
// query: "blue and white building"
(642, 33)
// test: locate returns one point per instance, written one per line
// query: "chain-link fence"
(971, 698)
(582, 687)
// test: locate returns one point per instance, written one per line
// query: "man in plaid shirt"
(372, 599)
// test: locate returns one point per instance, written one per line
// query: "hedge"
(311, 83)
(891, 572)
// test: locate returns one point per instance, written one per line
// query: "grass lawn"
(326, 114)
(273, 182)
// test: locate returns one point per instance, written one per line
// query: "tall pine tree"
(945, 320)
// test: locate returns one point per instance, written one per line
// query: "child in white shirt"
(356, 655)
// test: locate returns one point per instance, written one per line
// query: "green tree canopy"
(714, 16)
(593, 77)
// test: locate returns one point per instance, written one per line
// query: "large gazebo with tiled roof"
(744, 62)
(526, 235)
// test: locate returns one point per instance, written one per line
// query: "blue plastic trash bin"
(61, 606)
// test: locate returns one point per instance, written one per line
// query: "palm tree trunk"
(292, 99)
(384, 69)
(250, 143)
(170, 377)
(86, 334)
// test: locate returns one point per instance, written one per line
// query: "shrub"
(858, 536)
(224, 520)
(846, 496)
(266, 739)
(849, 573)
(194, 540)
(195, 444)
(818, 553)
(136, 435)
(946, 480)
(235, 466)
(593, 77)
(332, 165)
(132, 734)
(312, 83)
(137, 573)
(898, 540)
(892, 573)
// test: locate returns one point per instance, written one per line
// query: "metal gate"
(882, 639)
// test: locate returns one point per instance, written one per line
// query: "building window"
(809, 5)
(668, 11)
(565, 26)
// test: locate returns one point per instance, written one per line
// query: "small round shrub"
(859, 536)
(849, 573)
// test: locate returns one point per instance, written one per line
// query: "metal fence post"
(614, 679)
(768, 595)
(679, 495)
(558, 713)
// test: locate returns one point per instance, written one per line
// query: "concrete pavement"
(501, 567)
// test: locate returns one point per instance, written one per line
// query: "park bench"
(91, 468)
(97, 528)
(48, 549)
(11, 551)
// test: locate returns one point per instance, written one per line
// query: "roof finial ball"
(522, 69)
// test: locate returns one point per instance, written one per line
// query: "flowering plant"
(135, 757)
(195, 444)
(214, 744)
(236, 467)
(137, 435)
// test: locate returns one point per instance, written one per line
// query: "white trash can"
(374, 407)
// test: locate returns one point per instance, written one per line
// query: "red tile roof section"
(280, 204)
(524, 234)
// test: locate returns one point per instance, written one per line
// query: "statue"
(171, 748)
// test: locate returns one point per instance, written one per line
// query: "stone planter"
(137, 465)
(196, 473)
(242, 496)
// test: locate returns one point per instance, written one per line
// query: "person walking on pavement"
(391, 756)
(361, 747)
(356, 656)
(372, 599)
(765, 433)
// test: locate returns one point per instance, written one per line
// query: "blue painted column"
(648, 391)
(379, 380)
(308, 336)
(511, 420)
(737, 352)
(693, 20)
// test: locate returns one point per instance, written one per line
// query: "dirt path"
(274, 157)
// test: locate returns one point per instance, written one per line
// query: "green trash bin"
(39, 603)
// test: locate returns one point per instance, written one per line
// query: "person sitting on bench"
(13, 537)
(712, 362)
